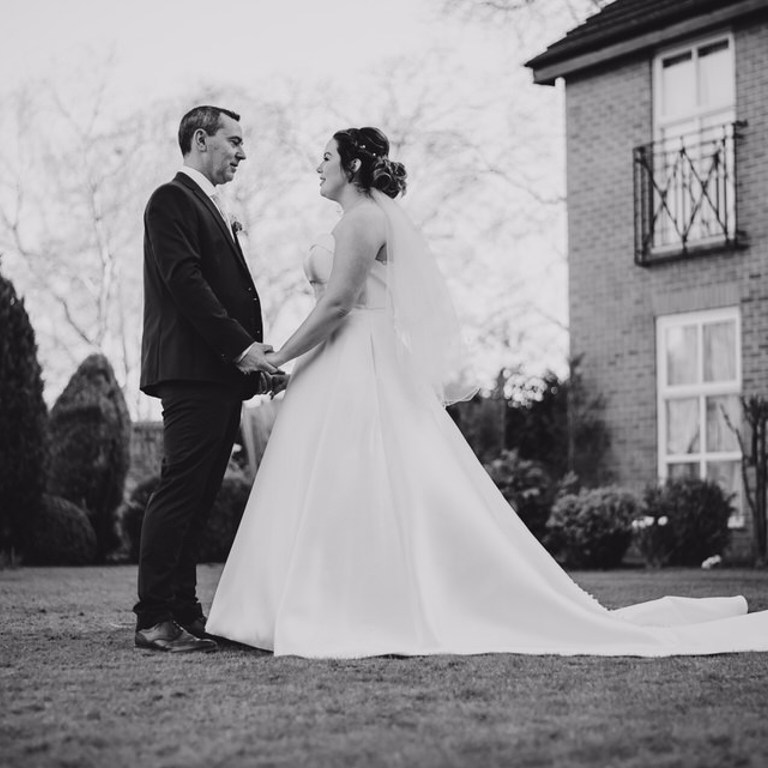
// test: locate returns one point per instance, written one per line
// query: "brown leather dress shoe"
(169, 636)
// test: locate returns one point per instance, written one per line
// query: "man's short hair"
(206, 117)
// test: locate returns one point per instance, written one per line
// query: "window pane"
(720, 436)
(727, 474)
(683, 426)
(682, 355)
(678, 84)
(678, 470)
(671, 171)
(712, 48)
(716, 79)
(720, 351)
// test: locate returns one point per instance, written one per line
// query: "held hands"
(261, 360)
(279, 383)
(254, 363)
(280, 379)
(255, 360)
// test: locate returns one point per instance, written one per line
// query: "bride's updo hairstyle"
(371, 147)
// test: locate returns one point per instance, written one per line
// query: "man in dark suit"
(202, 354)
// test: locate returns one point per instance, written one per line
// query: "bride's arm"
(359, 237)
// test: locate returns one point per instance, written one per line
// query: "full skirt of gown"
(372, 529)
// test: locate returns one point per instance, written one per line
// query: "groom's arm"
(179, 263)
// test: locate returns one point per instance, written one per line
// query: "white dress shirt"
(210, 190)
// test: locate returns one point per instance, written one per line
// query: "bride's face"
(332, 176)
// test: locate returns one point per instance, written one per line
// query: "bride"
(372, 528)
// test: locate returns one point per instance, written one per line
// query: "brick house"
(667, 168)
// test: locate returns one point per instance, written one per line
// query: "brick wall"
(752, 106)
(608, 113)
(613, 303)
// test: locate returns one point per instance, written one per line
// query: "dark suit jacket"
(201, 308)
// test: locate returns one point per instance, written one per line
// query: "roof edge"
(548, 72)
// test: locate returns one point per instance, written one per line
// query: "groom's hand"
(263, 383)
(254, 360)
(279, 383)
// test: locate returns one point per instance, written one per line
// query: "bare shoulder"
(366, 223)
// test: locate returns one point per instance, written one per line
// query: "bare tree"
(530, 24)
(74, 182)
(754, 469)
(509, 9)
(67, 202)
(486, 188)
(477, 185)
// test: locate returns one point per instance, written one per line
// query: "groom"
(202, 354)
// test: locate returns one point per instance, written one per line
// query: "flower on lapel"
(237, 227)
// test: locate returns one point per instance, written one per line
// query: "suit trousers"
(200, 423)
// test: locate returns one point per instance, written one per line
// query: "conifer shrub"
(697, 512)
(23, 421)
(592, 528)
(90, 447)
(61, 535)
(220, 530)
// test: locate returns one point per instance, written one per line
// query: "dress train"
(372, 529)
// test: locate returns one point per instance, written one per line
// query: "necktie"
(219, 203)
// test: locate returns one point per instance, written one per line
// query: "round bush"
(132, 515)
(651, 536)
(592, 529)
(90, 446)
(526, 486)
(225, 518)
(220, 530)
(698, 512)
(23, 420)
(61, 534)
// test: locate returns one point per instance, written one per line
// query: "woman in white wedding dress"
(372, 528)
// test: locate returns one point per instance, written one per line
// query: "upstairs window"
(685, 180)
(695, 90)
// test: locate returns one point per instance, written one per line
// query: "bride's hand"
(273, 358)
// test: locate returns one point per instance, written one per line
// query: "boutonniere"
(237, 227)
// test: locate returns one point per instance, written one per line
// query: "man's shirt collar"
(199, 179)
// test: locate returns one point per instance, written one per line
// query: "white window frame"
(700, 390)
(697, 115)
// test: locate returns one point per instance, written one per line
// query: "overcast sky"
(163, 45)
(163, 49)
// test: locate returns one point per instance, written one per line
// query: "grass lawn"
(74, 692)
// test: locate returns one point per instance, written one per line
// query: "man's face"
(224, 151)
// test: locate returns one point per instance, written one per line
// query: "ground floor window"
(699, 386)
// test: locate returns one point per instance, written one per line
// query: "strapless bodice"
(319, 263)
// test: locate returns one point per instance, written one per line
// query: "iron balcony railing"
(685, 193)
